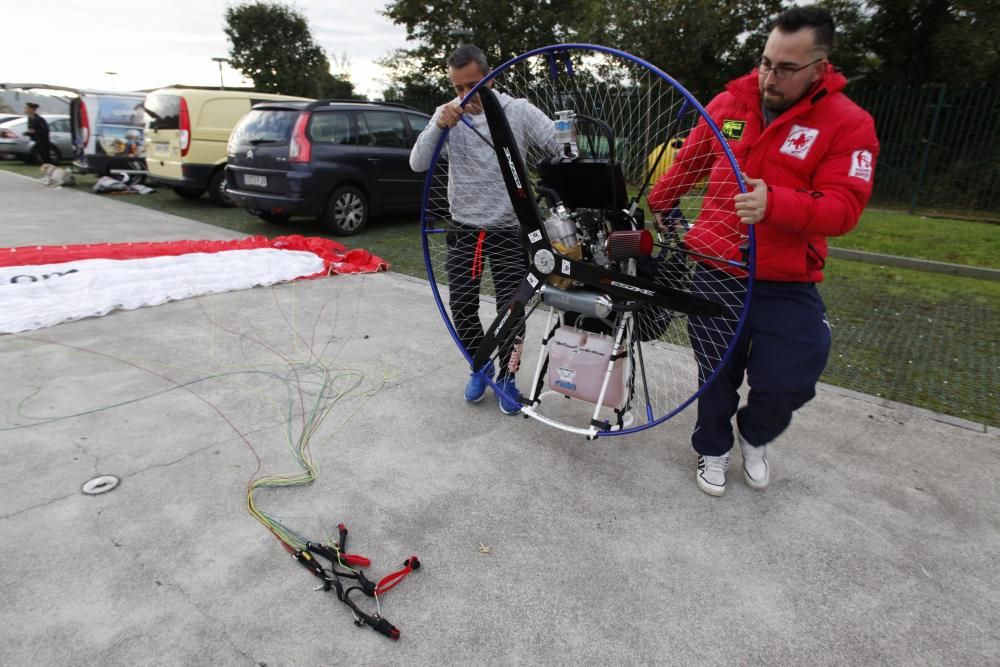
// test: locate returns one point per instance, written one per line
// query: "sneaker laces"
(716, 464)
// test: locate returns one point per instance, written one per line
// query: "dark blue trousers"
(782, 350)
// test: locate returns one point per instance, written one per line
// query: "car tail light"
(185, 127)
(84, 123)
(300, 148)
(8, 134)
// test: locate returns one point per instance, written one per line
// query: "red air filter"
(622, 245)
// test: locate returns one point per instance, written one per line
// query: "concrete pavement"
(878, 541)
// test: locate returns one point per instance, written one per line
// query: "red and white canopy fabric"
(45, 285)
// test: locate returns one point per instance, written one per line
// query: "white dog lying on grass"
(56, 177)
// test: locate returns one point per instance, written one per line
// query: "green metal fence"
(940, 147)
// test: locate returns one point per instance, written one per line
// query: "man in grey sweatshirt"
(483, 224)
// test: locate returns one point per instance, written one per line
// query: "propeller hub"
(545, 261)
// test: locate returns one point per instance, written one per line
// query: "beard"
(775, 101)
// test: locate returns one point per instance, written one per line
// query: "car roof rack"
(399, 105)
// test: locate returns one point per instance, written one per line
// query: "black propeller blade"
(515, 176)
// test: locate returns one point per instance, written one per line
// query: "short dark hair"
(815, 17)
(469, 53)
(31, 105)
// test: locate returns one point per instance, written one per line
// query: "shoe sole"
(476, 400)
(504, 410)
(759, 486)
(710, 489)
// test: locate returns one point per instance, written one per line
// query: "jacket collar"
(746, 89)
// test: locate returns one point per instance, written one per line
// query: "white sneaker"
(755, 469)
(712, 474)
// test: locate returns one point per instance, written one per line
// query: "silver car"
(14, 141)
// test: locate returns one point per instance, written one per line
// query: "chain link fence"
(939, 146)
(918, 338)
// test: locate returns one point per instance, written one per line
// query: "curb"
(961, 270)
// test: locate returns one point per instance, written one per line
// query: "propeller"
(543, 260)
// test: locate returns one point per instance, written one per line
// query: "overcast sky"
(154, 43)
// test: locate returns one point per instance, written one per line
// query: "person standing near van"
(38, 130)
(484, 225)
(808, 154)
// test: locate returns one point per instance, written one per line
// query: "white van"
(108, 131)
(187, 131)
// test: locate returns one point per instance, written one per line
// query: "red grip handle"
(355, 559)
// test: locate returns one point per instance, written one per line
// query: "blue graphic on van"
(121, 111)
(119, 127)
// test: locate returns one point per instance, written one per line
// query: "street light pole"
(112, 75)
(220, 61)
(461, 33)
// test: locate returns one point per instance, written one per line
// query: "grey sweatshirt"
(477, 196)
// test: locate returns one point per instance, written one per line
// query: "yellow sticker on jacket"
(733, 129)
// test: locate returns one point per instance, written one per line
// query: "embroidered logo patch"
(861, 165)
(800, 139)
(733, 129)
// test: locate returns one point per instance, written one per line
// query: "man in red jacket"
(807, 154)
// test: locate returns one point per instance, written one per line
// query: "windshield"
(163, 112)
(265, 126)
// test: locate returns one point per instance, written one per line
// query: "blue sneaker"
(476, 389)
(507, 388)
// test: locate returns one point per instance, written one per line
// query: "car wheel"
(54, 155)
(274, 218)
(188, 193)
(347, 210)
(217, 189)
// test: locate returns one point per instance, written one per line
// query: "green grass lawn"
(929, 340)
(941, 240)
(920, 338)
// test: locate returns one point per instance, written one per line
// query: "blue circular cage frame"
(426, 231)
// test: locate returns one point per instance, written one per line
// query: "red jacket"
(817, 159)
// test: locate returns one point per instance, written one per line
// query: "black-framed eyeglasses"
(782, 71)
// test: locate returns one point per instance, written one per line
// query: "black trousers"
(782, 351)
(469, 249)
(41, 151)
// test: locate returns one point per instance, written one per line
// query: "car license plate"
(257, 181)
(161, 149)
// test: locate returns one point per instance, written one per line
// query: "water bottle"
(565, 126)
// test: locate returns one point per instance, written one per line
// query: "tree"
(700, 43)
(852, 52)
(339, 85)
(502, 30)
(936, 41)
(271, 44)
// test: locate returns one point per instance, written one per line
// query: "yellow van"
(187, 130)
